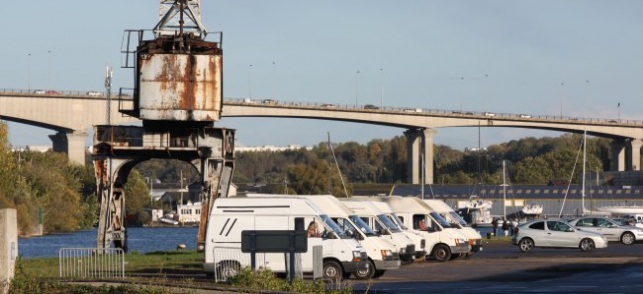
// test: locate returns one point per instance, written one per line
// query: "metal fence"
(228, 262)
(91, 262)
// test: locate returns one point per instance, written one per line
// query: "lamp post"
(49, 79)
(250, 81)
(29, 72)
(381, 89)
(274, 82)
(356, 88)
(562, 95)
(618, 109)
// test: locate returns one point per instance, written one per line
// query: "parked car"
(94, 93)
(555, 234)
(370, 106)
(51, 92)
(413, 109)
(328, 105)
(39, 91)
(489, 114)
(609, 228)
(525, 116)
(268, 101)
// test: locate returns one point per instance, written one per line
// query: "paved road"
(502, 268)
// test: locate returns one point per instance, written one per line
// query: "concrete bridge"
(72, 114)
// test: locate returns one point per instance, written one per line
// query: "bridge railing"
(429, 111)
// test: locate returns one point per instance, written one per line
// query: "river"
(142, 240)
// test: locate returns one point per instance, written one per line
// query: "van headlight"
(357, 256)
(386, 254)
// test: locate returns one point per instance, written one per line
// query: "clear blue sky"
(499, 56)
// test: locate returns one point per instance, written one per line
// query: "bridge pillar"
(634, 152)
(72, 143)
(428, 154)
(412, 156)
(618, 155)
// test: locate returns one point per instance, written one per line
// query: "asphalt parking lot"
(501, 267)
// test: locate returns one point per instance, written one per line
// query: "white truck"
(385, 227)
(342, 255)
(442, 240)
(475, 239)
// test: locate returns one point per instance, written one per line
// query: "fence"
(91, 262)
(228, 262)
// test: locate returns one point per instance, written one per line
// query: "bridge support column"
(412, 156)
(427, 141)
(634, 152)
(618, 155)
(72, 143)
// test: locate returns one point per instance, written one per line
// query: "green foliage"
(263, 279)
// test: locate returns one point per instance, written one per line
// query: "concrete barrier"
(8, 247)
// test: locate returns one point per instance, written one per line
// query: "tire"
(587, 245)
(378, 273)
(227, 269)
(333, 271)
(628, 238)
(366, 274)
(441, 253)
(526, 244)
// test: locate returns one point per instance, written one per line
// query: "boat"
(476, 211)
(586, 211)
(532, 209)
(477, 203)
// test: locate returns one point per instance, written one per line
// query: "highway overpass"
(72, 113)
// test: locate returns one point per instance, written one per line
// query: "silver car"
(555, 234)
(609, 228)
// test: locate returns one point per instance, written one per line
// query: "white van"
(475, 239)
(383, 226)
(442, 240)
(381, 253)
(342, 255)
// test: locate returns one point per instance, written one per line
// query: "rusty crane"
(178, 96)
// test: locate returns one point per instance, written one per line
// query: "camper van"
(385, 227)
(342, 255)
(382, 255)
(442, 241)
(475, 240)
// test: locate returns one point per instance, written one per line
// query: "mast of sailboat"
(332, 151)
(504, 190)
(583, 179)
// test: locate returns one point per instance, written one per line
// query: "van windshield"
(389, 224)
(362, 225)
(398, 221)
(455, 216)
(332, 225)
(440, 220)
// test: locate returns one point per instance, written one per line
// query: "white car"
(613, 231)
(555, 234)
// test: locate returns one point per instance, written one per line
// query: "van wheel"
(378, 273)
(441, 253)
(333, 271)
(227, 269)
(367, 273)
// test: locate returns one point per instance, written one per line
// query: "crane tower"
(178, 95)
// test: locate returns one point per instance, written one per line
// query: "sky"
(545, 57)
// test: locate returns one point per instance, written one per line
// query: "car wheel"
(367, 273)
(333, 271)
(628, 238)
(587, 245)
(378, 273)
(526, 245)
(441, 253)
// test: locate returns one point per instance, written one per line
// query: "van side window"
(299, 224)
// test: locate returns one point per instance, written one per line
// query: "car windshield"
(389, 224)
(456, 217)
(440, 220)
(394, 218)
(331, 225)
(362, 225)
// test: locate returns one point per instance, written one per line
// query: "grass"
(156, 272)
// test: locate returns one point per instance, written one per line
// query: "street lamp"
(618, 108)
(356, 88)
(381, 89)
(562, 95)
(250, 81)
(49, 57)
(29, 72)
(274, 82)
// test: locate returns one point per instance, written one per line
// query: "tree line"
(48, 186)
